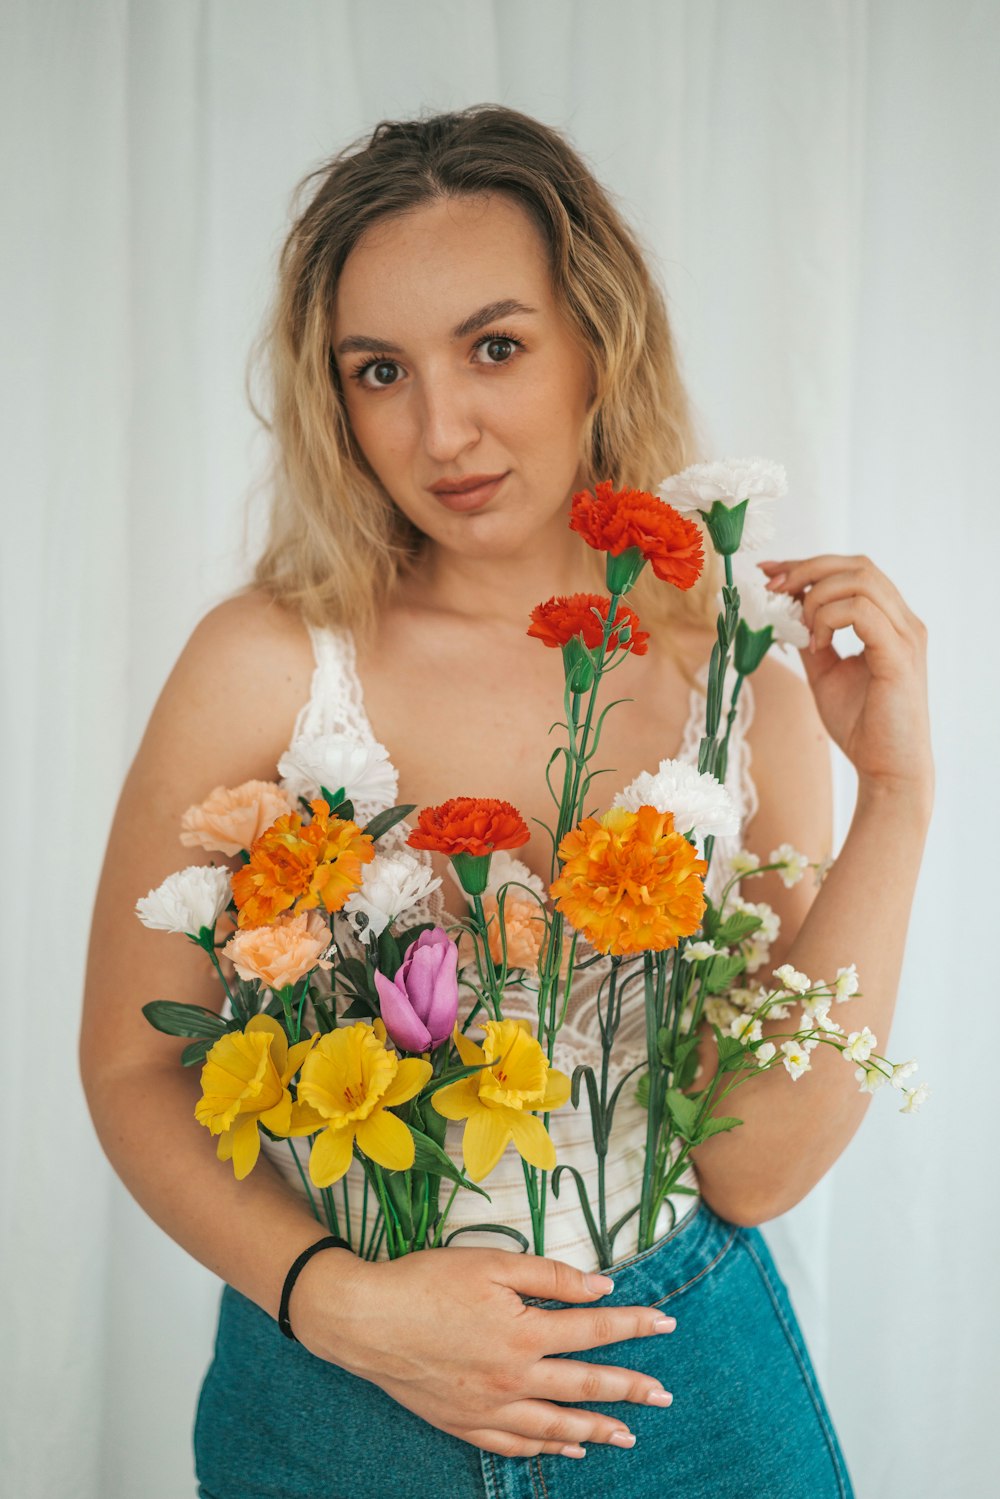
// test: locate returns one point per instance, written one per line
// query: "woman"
(460, 304)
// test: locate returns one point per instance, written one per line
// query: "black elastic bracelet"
(331, 1242)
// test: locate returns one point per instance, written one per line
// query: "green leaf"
(357, 974)
(196, 1052)
(360, 1008)
(709, 921)
(389, 956)
(383, 821)
(715, 1127)
(733, 1055)
(721, 971)
(642, 1091)
(436, 1162)
(683, 1111)
(736, 928)
(185, 1020)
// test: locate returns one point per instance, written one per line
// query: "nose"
(448, 417)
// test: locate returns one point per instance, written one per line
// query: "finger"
(545, 1422)
(550, 1280)
(509, 1444)
(870, 623)
(801, 574)
(852, 582)
(571, 1379)
(568, 1330)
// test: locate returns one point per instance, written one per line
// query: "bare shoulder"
(246, 667)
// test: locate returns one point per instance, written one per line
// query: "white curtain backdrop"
(817, 182)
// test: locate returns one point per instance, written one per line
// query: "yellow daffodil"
(497, 1101)
(349, 1083)
(244, 1083)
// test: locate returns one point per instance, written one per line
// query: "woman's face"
(443, 383)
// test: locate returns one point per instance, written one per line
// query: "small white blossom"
(796, 1059)
(757, 951)
(778, 1011)
(822, 869)
(870, 1078)
(795, 864)
(699, 952)
(718, 1011)
(914, 1098)
(698, 801)
(743, 863)
(761, 606)
(765, 1052)
(790, 978)
(901, 1071)
(809, 1043)
(770, 921)
(187, 901)
(846, 984)
(391, 885)
(365, 772)
(745, 1029)
(731, 480)
(858, 1047)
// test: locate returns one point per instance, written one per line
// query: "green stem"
(305, 1182)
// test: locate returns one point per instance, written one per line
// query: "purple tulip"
(420, 1006)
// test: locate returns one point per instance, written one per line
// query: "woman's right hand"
(445, 1333)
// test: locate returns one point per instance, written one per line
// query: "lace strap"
(335, 704)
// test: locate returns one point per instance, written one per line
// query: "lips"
(468, 494)
(464, 486)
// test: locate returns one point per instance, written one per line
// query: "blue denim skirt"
(748, 1419)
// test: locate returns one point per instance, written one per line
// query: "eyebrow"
(358, 343)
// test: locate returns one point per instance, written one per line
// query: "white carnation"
(699, 802)
(731, 480)
(365, 772)
(760, 606)
(914, 1098)
(391, 885)
(187, 901)
(505, 869)
(795, 864)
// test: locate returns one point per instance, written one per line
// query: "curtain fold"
(816, 185)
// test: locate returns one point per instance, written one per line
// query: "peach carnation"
(283, 952)
(231, 819)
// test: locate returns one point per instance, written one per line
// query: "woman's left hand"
(873, 705)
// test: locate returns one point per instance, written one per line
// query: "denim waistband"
(667, 1267)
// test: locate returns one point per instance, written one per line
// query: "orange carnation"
(629, 882)
(558, 620)
(469, 825)
(614, 521)
(296, 866)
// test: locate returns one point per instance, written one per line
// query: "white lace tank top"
(336, 706)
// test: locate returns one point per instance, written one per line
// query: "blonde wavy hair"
(336, 541)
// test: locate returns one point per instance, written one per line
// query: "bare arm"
(875, 707)
(445, 1332)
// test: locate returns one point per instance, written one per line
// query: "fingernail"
(659, 1397)
(664, 1324)
(622, 1439)
(776, 581)
(574, 1451)
(602, 1283)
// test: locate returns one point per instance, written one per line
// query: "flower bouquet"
(346, 1016)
